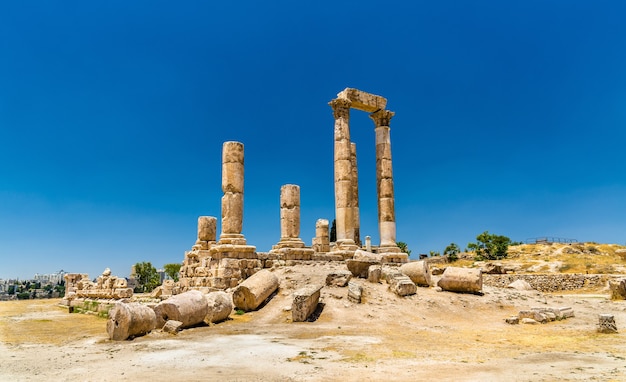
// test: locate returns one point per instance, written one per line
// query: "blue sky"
(510, 117)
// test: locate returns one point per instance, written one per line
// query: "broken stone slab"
(251, 293)
(374, 273)
(128, 320)
(618, 289)
(402, 285)
(190, 308)
(606, 324)
(418, 272)
(359, 268)
(172, 326)
(493, 269)
(520, 285)
(360, 254)
(355, 292)
(513, 320)
(463, 280)
(533, 314)
(338, 278)
(305, 302)
(219, 306)
(529, 321)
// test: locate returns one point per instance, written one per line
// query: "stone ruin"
(78, 285)
(221, 264)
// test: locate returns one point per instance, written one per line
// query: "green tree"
(490, 246)
(172, 270)
(147, 277)
(333, 231)
(404, 247)
(434, 254)
(452, 252)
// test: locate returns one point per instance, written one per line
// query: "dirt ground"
(431, 335)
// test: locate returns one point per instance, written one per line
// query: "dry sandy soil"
(431, 335)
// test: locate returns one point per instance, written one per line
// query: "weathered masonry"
(346, 174)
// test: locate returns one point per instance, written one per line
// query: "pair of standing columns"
(346, 179)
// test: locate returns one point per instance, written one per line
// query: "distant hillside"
(564, 258)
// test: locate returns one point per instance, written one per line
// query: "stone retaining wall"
(549, 282)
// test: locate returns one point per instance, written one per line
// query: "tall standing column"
(232, 201)
(384, 182)
(355, 196)
(290, 217)
(343, 175)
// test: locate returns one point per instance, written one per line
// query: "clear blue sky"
(510, 117)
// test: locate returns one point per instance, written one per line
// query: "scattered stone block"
(130, 320)
(402, 285)
(305, 302)
(172, 326)
(338, 278)
(251, 293)
(436, 271)
(513, 320)
(606, 324)
(418, 272)
(355, 292)
(528, 321)
(219, 306)
(374, 273)
(190, 308)
(464, 280)
(359, 268)
(520, 285)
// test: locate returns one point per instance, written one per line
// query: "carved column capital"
(341, 107)
(382, 117)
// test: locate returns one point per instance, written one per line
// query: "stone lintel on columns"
(363, 101)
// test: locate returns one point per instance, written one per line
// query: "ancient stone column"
(232, 201)
(321, 241)
(384, 180)
(355, 196)
(207, 227)
(343, 175)
(290, 217)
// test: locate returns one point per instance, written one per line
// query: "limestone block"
(232, 177)
(374, 272)
(343, 150)
(207, 228)
(386, 211)
(251, 293)
(533, 314)
(232, 212)
(402, 286)
(343, 172)
(338, 278)
(321, 228)
(232, 152)
(464, 280)
(130, 320)
(220, 305)
(355, 292)
(520, 285)
(359, 268)
(360, 254)
(528, 321)
(172, 326)
(384, 168)
(305, 302)
(386, 188)
(363, 101)
(606, 324)
(513, 320)
(190, 308)
(418, 272)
